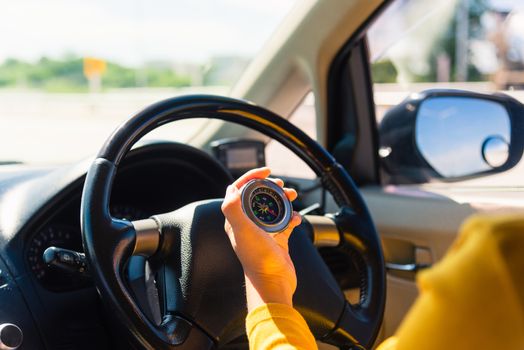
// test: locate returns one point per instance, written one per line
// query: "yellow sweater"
(472, 299)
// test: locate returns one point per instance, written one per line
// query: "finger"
(232, 203)
(282, 238)
(291, 194)
(230, 190)
(258, 173)
(296, 219)
(231, 193)
(278, 181)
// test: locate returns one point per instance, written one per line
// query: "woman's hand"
(268, 269)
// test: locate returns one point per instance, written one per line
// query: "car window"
(71, 70)
(282, 161)
(473, 45)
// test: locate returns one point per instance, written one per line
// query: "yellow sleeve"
(474, 298)
(278, 327)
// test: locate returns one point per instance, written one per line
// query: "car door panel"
(408, 219)
(428, 218)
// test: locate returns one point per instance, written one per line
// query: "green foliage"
(165, 78)
(118, 76)
(47, 74)
(384, 72)
(66, 75)
(447, 44)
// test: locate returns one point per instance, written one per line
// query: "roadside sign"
(94, 67)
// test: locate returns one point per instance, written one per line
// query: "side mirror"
(450, 135)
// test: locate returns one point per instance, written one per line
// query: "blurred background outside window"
(72, 70)
(474, 45)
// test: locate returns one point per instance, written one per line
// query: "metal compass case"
(266, 204)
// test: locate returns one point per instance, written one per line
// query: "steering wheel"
(200, 279)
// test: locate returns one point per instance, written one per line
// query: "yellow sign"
(94, 67)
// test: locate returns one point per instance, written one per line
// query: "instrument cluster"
(65, 236)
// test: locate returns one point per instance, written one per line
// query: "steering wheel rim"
(109, 242)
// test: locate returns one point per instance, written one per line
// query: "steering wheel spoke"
(147, 237)
(124, 239)
(323, 230)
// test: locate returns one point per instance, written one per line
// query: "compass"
(266, 204)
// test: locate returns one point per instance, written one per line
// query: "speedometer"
(127, 212)
(61, 236)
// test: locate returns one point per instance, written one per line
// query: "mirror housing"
(450, 135)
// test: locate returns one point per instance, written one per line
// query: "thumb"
(282, 238)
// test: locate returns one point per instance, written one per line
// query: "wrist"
(264, 290)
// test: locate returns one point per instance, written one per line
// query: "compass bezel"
(287, 208)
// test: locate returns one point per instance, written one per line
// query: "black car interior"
(137, 302)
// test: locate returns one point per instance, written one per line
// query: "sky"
(507, 4)
(135, 31)
(422, 21)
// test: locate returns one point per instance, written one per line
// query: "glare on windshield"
(71, 71)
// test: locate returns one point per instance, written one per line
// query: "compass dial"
(266, 204)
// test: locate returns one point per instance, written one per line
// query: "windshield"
(71, 71)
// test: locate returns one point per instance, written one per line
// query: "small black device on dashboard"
(266, 204)
(239, 155)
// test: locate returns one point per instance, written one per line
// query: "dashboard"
(40, 208)
(155, 179)
(146, 185)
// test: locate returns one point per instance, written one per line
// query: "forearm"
(260, 291)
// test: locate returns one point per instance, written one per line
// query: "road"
(58, 128)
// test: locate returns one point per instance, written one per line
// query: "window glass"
(473, 45)
(72, 70)
(281, 160)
